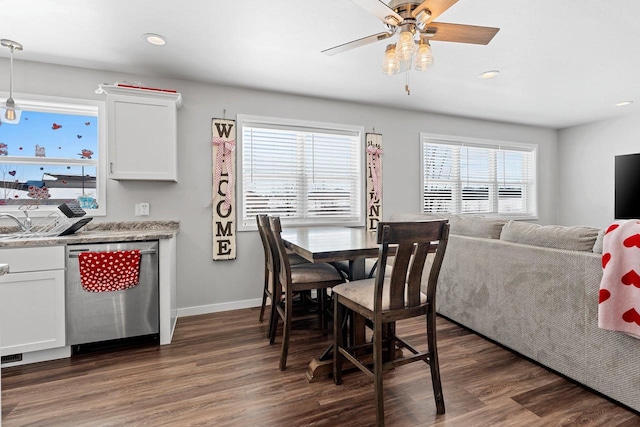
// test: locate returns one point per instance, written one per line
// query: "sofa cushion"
(406, 216)
(463, 225)
(473, 226)
(576, 238)
(597, 246)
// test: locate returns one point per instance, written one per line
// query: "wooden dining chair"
(385, 300)
(302, 277)
(269, 264)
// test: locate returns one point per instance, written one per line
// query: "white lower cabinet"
(32, 300)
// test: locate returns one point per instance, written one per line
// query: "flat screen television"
(627, 186)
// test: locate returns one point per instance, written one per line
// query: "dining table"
(330, 244)
(333, 243)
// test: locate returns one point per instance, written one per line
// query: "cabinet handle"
(110, 167)
(75, 252)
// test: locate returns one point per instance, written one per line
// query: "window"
(303, 172)
(53, 155)
(472, 176)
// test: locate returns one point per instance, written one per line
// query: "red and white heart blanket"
(619, 299)
(109, 271)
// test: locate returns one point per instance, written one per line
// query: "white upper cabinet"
(142, 133)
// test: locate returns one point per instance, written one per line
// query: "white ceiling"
(562, 63)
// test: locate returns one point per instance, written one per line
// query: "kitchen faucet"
(24, 225)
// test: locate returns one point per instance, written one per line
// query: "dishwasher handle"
(75, 252)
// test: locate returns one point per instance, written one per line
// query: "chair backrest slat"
(399, 274)
(284, 267)
(413, 242)
(264, 231)
(415, 273)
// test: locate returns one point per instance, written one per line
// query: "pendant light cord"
(11, 74)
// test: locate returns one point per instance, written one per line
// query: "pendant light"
(9, 111)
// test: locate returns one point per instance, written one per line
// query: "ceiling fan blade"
(356, 43)
(437, 7)
(460, 33)
(380, 10)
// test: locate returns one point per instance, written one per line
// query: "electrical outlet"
(142, 209)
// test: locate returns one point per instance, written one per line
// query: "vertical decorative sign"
(374, 180)
(223, 201)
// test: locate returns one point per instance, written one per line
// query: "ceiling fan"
(413, 22)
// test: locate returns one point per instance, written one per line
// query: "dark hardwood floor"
(221, 371)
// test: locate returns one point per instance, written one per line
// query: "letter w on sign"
(223, 157)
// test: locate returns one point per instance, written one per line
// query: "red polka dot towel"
(619, 300)
(109, 271)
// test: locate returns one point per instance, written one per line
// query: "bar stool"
(289, 280)
(269, 275)
(384, 300)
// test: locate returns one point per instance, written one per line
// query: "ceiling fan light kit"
(9, 112)
(406, 46)
(424, 57)
(413, 22)
(390, 64)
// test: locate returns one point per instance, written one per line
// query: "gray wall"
(586, 177)
(205, 285)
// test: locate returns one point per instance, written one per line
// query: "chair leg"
(288, 313)
(305, 298)
(273, 320)
(337, 340)
(433, 362)
(273, 325)
(377, 371)
(276, 300)
(264, 296)
(389, 339)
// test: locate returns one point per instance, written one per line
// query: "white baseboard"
(215, 308)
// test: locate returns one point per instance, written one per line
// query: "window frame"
(245, 120)
(426, 137)
(59, 104)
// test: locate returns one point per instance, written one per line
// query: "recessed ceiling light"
(624, 103)
(155, 39)
(489, 74)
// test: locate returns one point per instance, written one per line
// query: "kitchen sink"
(20, 235)
(52, 226)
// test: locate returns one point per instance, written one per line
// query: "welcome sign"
(223, 201)
(374, 181)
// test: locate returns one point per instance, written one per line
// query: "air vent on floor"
(11, 358)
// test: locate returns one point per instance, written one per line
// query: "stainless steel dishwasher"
(99, 318)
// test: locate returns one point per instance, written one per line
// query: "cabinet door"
(32, 315)
(142, 135)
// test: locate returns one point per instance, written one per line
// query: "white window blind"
(303, 174)
(478, 177)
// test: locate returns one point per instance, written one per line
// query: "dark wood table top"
(330, 243)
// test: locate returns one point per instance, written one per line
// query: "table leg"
(323, 366)
(356, 269)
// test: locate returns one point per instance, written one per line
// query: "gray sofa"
(534, 289)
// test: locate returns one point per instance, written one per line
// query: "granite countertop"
(97, 233)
